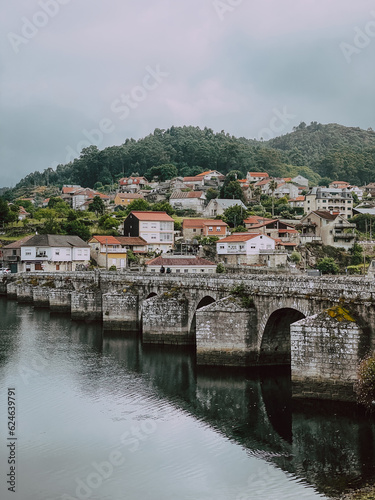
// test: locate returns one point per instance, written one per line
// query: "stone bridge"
(321, 326)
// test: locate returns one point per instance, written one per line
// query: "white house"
(52, 252)
(217, 206)
(185, 200)
(181, 264)
(249, 249)
(300, 181)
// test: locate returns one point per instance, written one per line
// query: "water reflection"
(329, 446)
(80, 391)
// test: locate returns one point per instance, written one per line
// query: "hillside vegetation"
(319, 152)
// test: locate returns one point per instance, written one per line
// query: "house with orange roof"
(194, 181)
(132, 184)
(276, 229)
(191, 228)
(107, 251)
(297, 202)
(157, 228)
(250, 249)
(211, 174)
(339, 184)
(256, 176)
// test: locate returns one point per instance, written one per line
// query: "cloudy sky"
(80, 72)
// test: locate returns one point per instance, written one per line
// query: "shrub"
(327, 265)
(220, 268)
(295, 257)
(365, 387)
(112, 268)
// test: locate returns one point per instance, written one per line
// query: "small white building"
(250, 249)
(181, 264)
(217, 206)
(54, 252)
(185, 200)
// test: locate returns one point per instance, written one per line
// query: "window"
(153, 225)
(252, 246)
(221, 247)
(178, 270)
(153, 236)
(186, 270)
(144, 225)
(193, 270)
(28, 252)
(152, 270)
(194, 230)
(218, 229)
(57, 252)
(210, 228)
(202, 270)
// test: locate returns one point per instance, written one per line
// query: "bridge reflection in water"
(328, 445)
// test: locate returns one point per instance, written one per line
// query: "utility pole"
(106, 254)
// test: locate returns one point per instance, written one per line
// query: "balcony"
(344, 236)
(346, 226)
(40, 255)
(237, 251)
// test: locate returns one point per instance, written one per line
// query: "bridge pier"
(165, 320)
(60, 300)
(41, 296)
(11, 289)
(120, 312)
(25, 293)
(325, 356)
(86, 305)
(226, 334)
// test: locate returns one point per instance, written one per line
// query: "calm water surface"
(104, 418)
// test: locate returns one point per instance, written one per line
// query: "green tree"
(163, 206)
(139, 204)
(211, 194)
(162, 172)
(97, 205)
(234, 216)
(78, 228)
(327, 265)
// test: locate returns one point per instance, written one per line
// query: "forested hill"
(317, 151)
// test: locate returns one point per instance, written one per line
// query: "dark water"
(105, 418)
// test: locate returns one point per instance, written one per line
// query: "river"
(100, 416)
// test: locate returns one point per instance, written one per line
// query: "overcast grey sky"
(75, 72)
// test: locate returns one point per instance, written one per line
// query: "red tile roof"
(193, 179)
(258, 174)
(103, 240)
(131, 240)
(177, 195)
(182, 262)
(240, 237)
(150, 216)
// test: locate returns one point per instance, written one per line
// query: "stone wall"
(226, 334)
(325, 355)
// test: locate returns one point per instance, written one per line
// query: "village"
(199, 232)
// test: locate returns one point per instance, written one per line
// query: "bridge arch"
(275, 346)
(205, 300)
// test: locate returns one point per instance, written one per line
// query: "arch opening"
(276, 344)
(206, 301)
